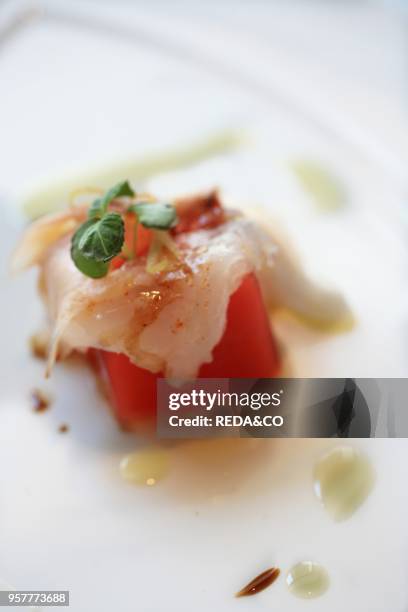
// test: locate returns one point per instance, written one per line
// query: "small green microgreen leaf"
(102, 239)
(100, 205)
(88, 266)
(155, 215)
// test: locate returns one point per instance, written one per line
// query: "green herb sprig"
(100, 238)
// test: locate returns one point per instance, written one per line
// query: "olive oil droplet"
(307, 580)
(145, 467)
(343, 479)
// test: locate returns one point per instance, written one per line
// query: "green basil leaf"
(100, 205)
(155, 215)
(101, 239)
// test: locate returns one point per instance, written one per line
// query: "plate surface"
(76, 94)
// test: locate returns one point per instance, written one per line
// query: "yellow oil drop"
(146, 467)
(307, 580)
(343, 479)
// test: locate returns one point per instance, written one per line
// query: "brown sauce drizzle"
(260, 583)
(38, 344)
(40, 402)
(197, 212)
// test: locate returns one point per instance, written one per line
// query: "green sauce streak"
(326, 190)
(55, 195)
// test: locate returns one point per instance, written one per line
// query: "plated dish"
(181, 290)
(188, 526)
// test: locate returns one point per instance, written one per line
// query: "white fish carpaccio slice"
(166, 323)
(172, 321)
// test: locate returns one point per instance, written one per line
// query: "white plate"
(73, 95)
